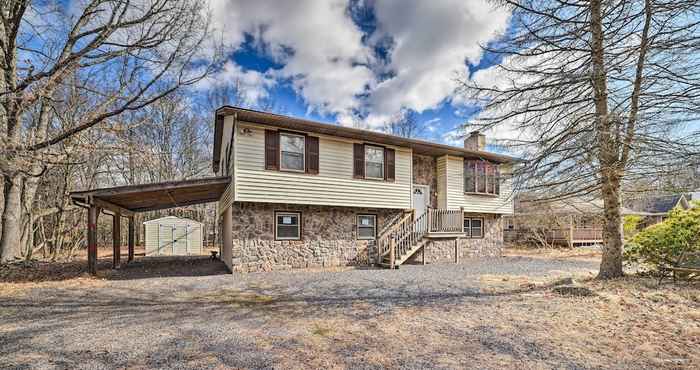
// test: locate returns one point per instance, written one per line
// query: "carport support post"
(92, 239)
(116, 239)
(131, 239)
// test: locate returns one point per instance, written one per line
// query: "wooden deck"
(572, 237)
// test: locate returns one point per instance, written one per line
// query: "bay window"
(481, 177)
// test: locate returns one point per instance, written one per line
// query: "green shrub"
(664, 244)
(630, 224)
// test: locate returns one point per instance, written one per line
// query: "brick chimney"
(475, 141)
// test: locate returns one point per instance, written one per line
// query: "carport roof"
(155, 196)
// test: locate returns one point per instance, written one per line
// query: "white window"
(291, 152)
(374, 162)
(366, 227)
(287, 226)
(474, 227)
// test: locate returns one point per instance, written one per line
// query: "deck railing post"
(392, 253)
(571, 231)
(430, 219)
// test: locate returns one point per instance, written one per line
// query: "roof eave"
(276, 120)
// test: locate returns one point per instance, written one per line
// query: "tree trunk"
(611, 262)
(608, 152)
(10, 246)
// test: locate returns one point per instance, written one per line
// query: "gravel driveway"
(413, 317)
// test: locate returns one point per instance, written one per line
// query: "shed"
(173, 236)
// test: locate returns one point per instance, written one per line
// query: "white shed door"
(180, 242)
(165, 240)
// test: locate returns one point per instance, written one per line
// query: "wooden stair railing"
(400, 241)
(403, 241)
(383, 242)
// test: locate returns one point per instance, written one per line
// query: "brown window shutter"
(272, 149)
(358, 163)
(311, 154)
(498, 181)
(389, 164)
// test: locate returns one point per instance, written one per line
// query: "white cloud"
(431, 41)
(326, 61)
(316, 41)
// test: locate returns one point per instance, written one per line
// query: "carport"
(126, 201)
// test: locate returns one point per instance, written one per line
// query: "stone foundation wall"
(328, 237)
(443, 250)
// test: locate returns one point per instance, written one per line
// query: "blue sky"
(360, 62)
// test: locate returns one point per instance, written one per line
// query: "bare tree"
(598, 94)
(118, 55)
(404, 123)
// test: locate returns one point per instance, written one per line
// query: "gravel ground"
(435, 316)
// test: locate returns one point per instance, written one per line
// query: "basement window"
(474, 227)
(366, 227)
(287, 226)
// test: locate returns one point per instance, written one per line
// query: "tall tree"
(119, 55)
(596, 93)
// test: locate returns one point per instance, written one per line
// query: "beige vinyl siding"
(334, 185)
(228, 166)
(226, 198)
(455, 197)
(442, 182)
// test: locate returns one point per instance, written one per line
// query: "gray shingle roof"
(657, 204)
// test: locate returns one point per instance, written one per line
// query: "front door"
(421, 194)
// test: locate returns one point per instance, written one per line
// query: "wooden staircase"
(402, 240)
(408, 234)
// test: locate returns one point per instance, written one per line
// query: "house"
(306, 194)
(694, 196)
(574, 221)
(655, 209)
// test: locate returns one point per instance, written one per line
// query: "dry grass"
(548, 253)
(628, 323)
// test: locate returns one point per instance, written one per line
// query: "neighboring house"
(571, 222)
(694, 196)
(655, 209)
(305, 194)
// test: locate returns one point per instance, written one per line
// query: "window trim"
(299, 228)
(357, 227)
(303, 152)
(383, 149)
(468, 234)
